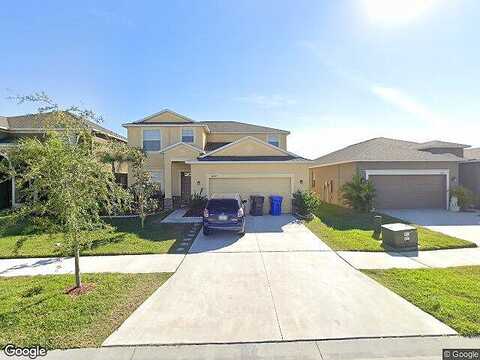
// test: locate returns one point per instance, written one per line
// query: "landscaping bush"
(305, 202)
(465, 197)
(198, 201)
(358, 193)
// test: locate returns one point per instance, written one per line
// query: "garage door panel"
(255, 186)
(410, 191)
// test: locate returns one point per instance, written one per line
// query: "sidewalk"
(420, 348)
(92, 264)
(170, 262)
(412, 260)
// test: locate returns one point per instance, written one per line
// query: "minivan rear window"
(223, 204)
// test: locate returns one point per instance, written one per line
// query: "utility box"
(400, 236)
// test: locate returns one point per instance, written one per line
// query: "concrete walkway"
(92, 264)
(412, 260)
(412, 348)
(177, 217)
(279, 282)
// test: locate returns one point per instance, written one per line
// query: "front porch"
(178, 186)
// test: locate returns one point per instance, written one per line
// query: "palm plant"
(359, 193)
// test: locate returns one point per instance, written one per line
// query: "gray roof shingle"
(441, 144)
(37, 121)
(236, 126)
(383, 149)
(473, 153)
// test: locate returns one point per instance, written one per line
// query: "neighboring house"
(186, 156)
(470, 173)
(405, 174)
(13, 128)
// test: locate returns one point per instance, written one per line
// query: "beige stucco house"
(186, 156)
(14, 128)
(405, 174)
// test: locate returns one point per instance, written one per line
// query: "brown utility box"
(400, 236)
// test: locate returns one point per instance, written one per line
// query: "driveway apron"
(277, 282)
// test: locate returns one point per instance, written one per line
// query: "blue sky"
(331, 72)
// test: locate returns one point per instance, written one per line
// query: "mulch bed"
(77, 291)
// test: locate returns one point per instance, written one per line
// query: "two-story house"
(14, 128)
(186, 156)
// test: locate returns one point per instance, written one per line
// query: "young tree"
(66, 185)
(144, 189)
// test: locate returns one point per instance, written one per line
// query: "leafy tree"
(65, 184)
(358, 193)
(144, 189)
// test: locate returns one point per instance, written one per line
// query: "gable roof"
(210, 146)
(164, 111)
(211, 126)
(251, 139)
(191, 147)
(382, 149)
(279, 155)
(239, 127)
(473, 153)
(36, 123)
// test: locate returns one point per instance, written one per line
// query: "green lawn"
(22, 240)
(36, 310)
(345, 229)
(452, 295)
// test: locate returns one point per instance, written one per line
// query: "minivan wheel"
(206, 232)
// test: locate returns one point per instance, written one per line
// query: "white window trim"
(277, 141)
(181, 135)
(406, 172)
(161, 140)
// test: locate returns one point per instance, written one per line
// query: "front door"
(185, 186)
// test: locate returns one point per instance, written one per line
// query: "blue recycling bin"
(276, 205)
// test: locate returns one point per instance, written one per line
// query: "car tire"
(206, 232)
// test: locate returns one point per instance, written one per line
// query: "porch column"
(167, 174)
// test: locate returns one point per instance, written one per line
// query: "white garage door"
(264, 186)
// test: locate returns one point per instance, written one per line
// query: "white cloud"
(267, 101)
(406, 103)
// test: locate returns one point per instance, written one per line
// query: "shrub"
(305, 202)
(358, 193)
(465, 196)
(198, 201)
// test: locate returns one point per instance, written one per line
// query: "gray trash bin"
(256, 205)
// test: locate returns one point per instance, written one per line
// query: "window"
(273, 140)
(157, 177)
(187, 136)
(151, 140)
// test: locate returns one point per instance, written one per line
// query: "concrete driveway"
(278, 282)
(463, 225)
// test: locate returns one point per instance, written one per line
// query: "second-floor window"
(152, 140)
(273, 140)
(187, 136)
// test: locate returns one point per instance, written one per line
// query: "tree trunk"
(78, 281)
